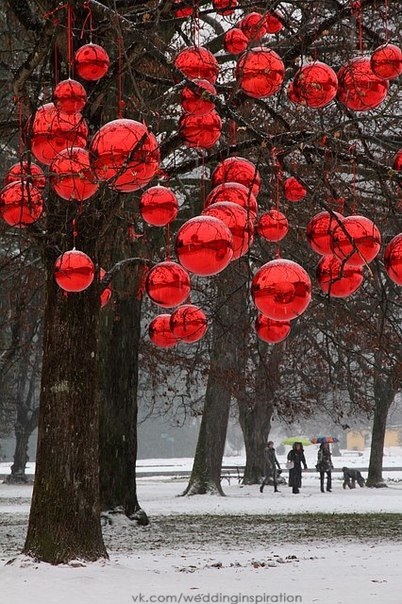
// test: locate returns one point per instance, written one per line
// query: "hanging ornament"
(236, 193)
(357, 240)
(160, 332)
(197, 63)
(359, 88)
(21, 203)
(237, 169)
(158, 206)
(69, 96)
(106, 295)
(91, 62)
(273, 226)
(294, 190)
(253, 26)
(26, 172)
(224, 7)
(281, 289)
(271, 331)
(386, 61)
(196, 103)
(234, 41)
(188, 8)
(398, 161)
(273, 22)
(337, 279)
(188, 323)
(168, 284)
(238, 222)
(393, 259)
(201, 131)
(319, 231)
(204, 245)
(72, 177)
(314, 85)
(260, 72)
(74, 271)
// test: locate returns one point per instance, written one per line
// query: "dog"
(350, 477)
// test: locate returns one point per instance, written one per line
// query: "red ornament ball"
(26, 171)
(294, 190)
(197, 63)
(203, 131)
(319, 231)
(337, 279)
(72, 177)
(204, 245)
(234, 41)
(253, 26)
(238, 222)
(273, 22)
(360, 89)
(273, 226)
(281, 289)
(194, 102)
(106, 295)
(187, 8)
(393, 259)
(224, 7)
(188, 323)
(159, 206)
(168, 284)
(314, 85)
(160, 332)
(260, 72)
(271, 331)
(357, 240)
(91, 62)
(21, 203)
(236, 193)
(386, 61)
(74, 271)
(69, 96)
(398, 161)
(237, 169)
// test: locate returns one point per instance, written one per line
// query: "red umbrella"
(319, 440)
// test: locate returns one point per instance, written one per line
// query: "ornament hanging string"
(88, 19)
(120, 102)
(69, 40)
(357, 12)
(75, 231)
(168, 242)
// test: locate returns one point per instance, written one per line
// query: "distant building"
(358, 440)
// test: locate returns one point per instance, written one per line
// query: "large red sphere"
(273, 23)
(106, 295)
(195, 102)
(74, 271)
(168, 284)
(160, 333)
(260, 72)
(337, 279)
(357, 240)
(237, 169)
(158, 206)
(281, 289)
(21, 203)
(359, 88)
(234, 41)
(187, 8)
(386, 61)
(188, 323)
(315, 85)
(393, 259)
(273, 226)
(72, 177)
(91, 62)
(69, 96)
(397, 164)
(271, 331)
(238, 222)
(204, 245)
(26, 172)
(224, 7)
(253, 26)
(201, 131)
(319, 231)
(197, 63)
(52, 131)
(236, 193)
(294, 190)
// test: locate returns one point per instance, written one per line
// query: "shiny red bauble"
(74, 271)
(237, 169)
(273, 226)
(234, 41)
(194, 101)
(197, 63)
(52, 131)
(236, 193)
(106, 295)
(320, 229)
(337, 279)
(314, 85)
(91, 62)
(187, 8)
(159, 206)
(393, 259)
(201, 132)
(357, 240)
(386, 61)
(281, 289)
(26, 172)
(224, 7)
(204, 245)
(188, 323)
(160, 333)
(125, 154)
(271, 331)
(253, 26)
(397, 163)
(21, 203)
(293, 190)
(260, 72)
(273, 23)
(359, 88)
(239, 223)
(72, 177)
(168, 284)
(69, 96)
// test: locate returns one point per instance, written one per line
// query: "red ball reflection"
(238, 222)
(337, 279)
(273, 23)
(320, 229)
(314, 85)
(386, 61)
(236, 193)
(158, 206)
(72, 177)
(253, 26)
(91, 62)
(260, 72)
(69, 96)
(359, 88)
(294, 190)
(188, 323)
(201, 131)
(194, 102)
(273, 226)
(234, 41)
(160, 333)
(357, 240)
(224, 7)
(26, 171)
(237, 169)
(271, 331)
(393, 259)
(74, 271)
(21, 203)
(168, 284)
(398, 160)
(197, 63)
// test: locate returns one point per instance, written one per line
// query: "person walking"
(324, 466)
(295, 460)
(271, 465)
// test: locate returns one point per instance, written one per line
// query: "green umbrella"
(297, 439)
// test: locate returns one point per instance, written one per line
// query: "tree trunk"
(384, 395)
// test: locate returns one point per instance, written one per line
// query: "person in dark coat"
(271, 465)
(296, 456)
(324, 466)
